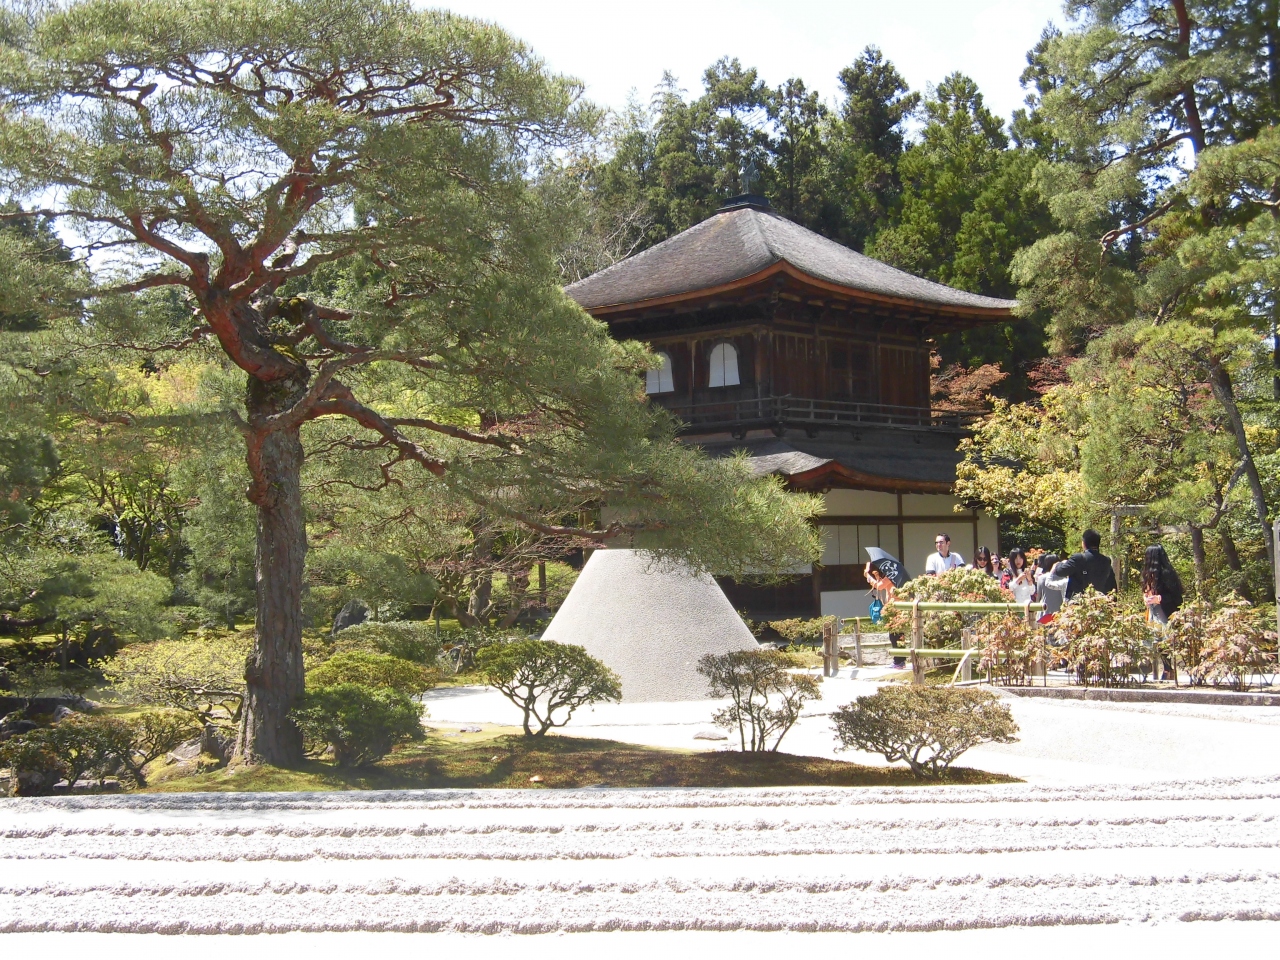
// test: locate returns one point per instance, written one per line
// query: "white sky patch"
(617, 48)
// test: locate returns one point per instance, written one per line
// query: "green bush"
(411, 640)
(766, 696)
(801, 631)
(376, 670)
(963, 585)
(361, 724)
(34, 765)
(1236, 646)
(153, 734)
(84, 747)
(463, 645)
(541, 678)
(928, 727)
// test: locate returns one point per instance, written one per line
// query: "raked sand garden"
(1134, 818)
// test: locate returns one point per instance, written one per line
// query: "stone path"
(951, 858)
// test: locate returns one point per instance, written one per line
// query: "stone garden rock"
(215, 744)
(352, 613)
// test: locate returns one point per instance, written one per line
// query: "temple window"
(724, 366)
(660, 380)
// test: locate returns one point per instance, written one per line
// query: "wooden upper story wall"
(792, 349)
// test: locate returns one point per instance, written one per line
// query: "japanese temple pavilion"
(815, 360)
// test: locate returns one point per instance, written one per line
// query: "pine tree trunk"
(274, 670)
(1224, 392)
(1198, 558)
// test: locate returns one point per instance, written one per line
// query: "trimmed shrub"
(411, 640)
(1010, 648)
(927, 727)
(1104, 643)
(766, 696)
(34, 765)
(801, 631)
(153, 734)
(376, 670)
(361, 724)
(1236, 646)
(543, 678)
(1185, 634)
(459, 655)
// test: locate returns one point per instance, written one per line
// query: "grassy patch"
(499, 758)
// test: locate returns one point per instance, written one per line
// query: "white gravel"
(950, 858)
(1062, 742)
(1136, 820)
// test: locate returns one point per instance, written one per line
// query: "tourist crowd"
(1040, 577)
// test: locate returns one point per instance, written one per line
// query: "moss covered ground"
(502, 758)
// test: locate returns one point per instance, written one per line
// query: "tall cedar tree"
(1163, 186)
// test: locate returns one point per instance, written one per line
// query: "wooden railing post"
(917, 641)
(857, 641)
(966, 643)
(1041, 667)
(830, 649)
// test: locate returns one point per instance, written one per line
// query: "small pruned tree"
(543, 678)
(152, 734)
(203, 676)
(34, 765)
(766, 697)
(83, 747)
(927, 727)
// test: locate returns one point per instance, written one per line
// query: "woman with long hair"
(1018, 576)
(982, 561)
(1161, 585)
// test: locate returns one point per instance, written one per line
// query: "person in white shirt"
(944, 560)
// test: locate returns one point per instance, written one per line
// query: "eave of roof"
(784, 269)
(879, 461)
(746, 245)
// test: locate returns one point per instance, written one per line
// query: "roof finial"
(749, 184)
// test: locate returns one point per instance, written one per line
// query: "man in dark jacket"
(1089, 568)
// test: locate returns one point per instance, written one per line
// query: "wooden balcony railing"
(747, 412)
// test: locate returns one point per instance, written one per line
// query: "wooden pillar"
(693, 368)
(830, 649)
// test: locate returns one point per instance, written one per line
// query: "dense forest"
(1131, 207)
